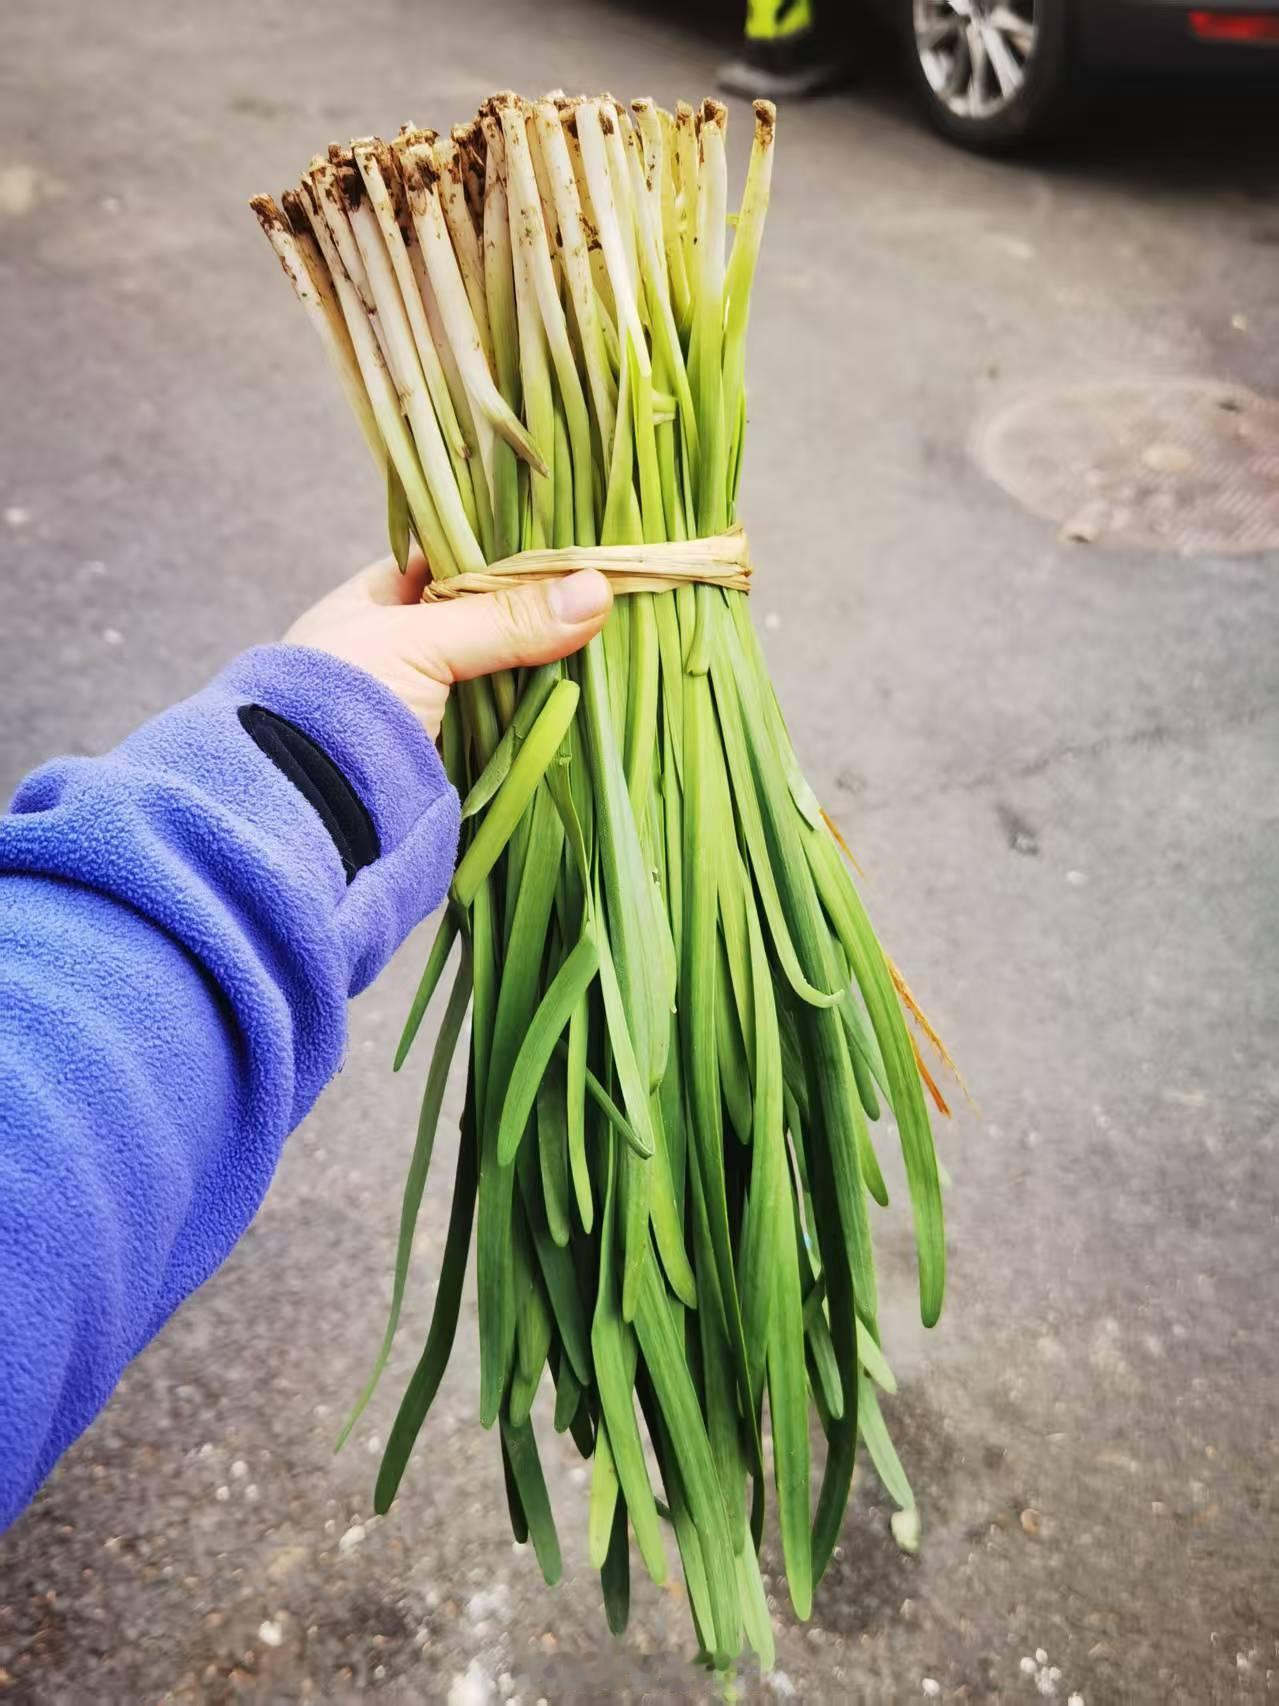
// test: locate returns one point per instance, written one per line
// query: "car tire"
(1024, 85)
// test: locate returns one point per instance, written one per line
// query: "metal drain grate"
(1168, 465)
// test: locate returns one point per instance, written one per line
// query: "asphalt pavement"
(1057, 760)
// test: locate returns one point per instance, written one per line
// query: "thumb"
(508, 630)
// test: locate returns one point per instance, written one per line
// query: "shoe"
(786, 68)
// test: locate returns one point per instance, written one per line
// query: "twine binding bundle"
(683, 1029)
(723, 561)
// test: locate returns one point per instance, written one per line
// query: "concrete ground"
(1059, 764)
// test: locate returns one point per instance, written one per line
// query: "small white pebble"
(351, 1539)
(251, 1492)
(113, 637)
(1041, 1657)
(1075, 1700)
(494, 1601)
(1028, 1666)
(270, 1633)
(222, 1495)
(206, 1450)
(772, 621)
(16, 516)
(472, 1688)
(1055, 1673)
(239, 1469)
(379, 1671)
(374, 1445)
(931, 1687)
(1076, 879)
(110, 204)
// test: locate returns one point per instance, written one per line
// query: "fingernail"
(579, 597)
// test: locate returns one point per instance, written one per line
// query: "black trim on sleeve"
(316, 777)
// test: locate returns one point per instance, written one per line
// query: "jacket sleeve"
(178, 941)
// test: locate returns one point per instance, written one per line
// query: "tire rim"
(975, 53)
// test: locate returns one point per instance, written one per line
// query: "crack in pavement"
(1157, 734)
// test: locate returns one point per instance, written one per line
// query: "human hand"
(377, 621)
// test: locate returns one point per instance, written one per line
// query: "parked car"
(993, 73)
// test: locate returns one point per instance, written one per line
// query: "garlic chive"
(682, 1023)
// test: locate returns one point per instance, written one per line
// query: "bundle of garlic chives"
(682, 1024)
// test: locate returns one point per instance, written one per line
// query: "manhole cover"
(1172, 465)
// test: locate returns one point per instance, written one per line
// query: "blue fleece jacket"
(178, 941)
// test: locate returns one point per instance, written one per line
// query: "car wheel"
(991, 73)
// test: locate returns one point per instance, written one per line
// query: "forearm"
(178, 940)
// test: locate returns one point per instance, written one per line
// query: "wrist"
(365, 730)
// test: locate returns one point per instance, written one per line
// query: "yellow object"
(770, 20)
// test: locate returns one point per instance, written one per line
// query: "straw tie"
(723, 560)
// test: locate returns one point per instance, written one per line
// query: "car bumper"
(1160, 35)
